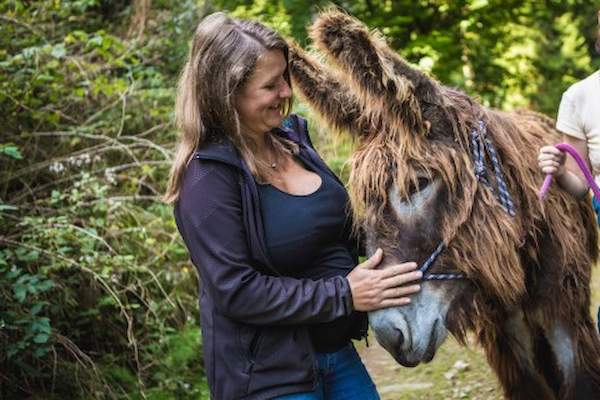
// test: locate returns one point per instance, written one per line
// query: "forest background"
(98, 298)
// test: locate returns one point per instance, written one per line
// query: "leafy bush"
(97, 291)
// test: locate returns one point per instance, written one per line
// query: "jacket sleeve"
(210, 219)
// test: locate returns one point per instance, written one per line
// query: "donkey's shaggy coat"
(526, 296)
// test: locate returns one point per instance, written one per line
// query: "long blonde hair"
(223, 55)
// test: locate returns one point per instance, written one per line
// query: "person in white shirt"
(579, 121)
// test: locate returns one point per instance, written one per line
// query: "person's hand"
(552, 161)
(373, 289)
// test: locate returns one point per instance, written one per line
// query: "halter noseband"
(482, 147)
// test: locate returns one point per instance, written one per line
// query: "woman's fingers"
(401, 291)
(402, 279)
(398, 269)
(379, 288)
(395, 302)
(545, 150)
(372, 261)
(551, 160)
(550, 153)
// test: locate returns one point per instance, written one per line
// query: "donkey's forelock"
(394, 157)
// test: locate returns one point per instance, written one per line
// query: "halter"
(482, 148)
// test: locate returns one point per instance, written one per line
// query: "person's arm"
(573, 180)
(553, 161)
(564, 168)
(209, 216)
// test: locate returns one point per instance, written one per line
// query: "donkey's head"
(412, 183)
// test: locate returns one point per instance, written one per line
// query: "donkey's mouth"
(414, 357)
(431, 347)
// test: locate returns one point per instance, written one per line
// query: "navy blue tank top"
(308, 236)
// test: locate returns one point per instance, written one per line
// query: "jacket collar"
(224, 150)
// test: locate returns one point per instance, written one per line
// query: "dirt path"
(455, 373)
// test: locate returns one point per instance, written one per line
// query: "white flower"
(56, 167)
(460, 365)
(109, 175)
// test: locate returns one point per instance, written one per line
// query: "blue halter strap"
(482, 148)
(481, 145)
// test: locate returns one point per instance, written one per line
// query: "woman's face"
(260, 102)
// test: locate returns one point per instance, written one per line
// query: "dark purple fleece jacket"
(254, 321)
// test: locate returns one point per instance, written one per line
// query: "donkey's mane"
(484, 242)
(477, 230)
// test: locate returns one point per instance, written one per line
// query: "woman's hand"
(565, 169)
(373, 289)
(552, 161)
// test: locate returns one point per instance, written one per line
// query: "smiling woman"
(260, 103)
(266, 224)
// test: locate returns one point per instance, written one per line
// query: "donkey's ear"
(325, 92)
(378, 74)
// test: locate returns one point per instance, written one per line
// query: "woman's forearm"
(573, 184)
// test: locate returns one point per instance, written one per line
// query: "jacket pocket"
(248, 343)
(283, 356)
(253, 347)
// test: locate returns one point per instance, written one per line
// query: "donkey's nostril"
(400, 339)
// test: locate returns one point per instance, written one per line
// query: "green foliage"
(96, 287)
(22, 316)
(510, 54)
(180, 361)
(10, 150)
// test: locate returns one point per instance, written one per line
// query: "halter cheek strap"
(430, 261)
(482, 148)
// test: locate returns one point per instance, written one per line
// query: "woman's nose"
(286, 90)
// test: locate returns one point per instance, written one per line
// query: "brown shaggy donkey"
(414, 185)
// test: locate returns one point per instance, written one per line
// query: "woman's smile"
(260, 102)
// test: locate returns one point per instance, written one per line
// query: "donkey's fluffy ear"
(325, 92)
(349, 44)
(386, 86)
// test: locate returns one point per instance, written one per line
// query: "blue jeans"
(340, 376)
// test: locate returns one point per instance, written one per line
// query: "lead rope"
(564, 147)
(481, 145)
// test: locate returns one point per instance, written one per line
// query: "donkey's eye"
(419, 185)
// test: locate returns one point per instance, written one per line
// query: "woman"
(579, 122)
(266, 226)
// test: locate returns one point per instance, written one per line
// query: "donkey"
(439, 179)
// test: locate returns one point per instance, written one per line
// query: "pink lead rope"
(582, 165)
